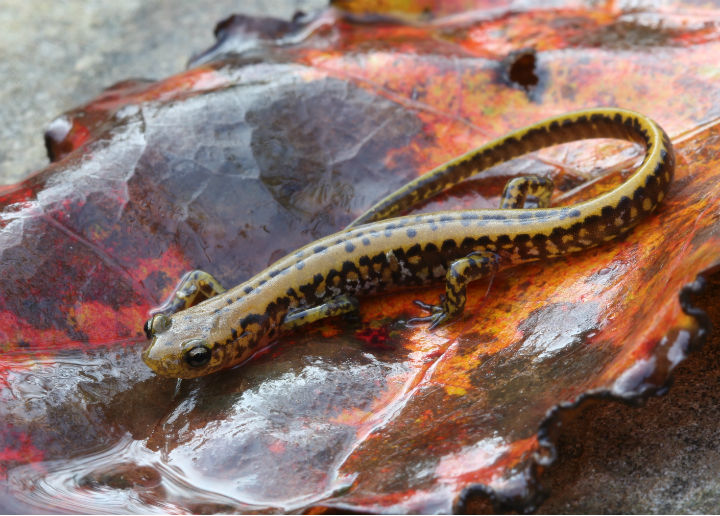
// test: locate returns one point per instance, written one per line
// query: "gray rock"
(58, 55)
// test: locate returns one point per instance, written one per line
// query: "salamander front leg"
(336, 306)
(460, 273)
(518, 189)
(194, 287)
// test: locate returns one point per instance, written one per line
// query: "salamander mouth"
(151, 362)
(161, 363)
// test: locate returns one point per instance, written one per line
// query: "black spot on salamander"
(607, 213)
(575, 228)
(431, 248)
(262, 282)
(349, 247)
(446, 218)
(503, 152)
(251, 319)
(248, 289)
(651, 181)
(319, 249)
(291, 293)
(494, 216)
(539, 239)
(413, 250)
(365, 261)
(348, 267)
(272, 310)
(590, 223)
(639, 195)
(330, 276)
(317, 279)
(233, 333)
(411, 233)
(448, 245)
(274, 273)
(388, 232)
(624, 204)
(574, 213)
(483, 241)
(537, 134)
(503, 240)
(522, 239)
(300, 265)
(366, 241)
(229, 301)
(468, 242)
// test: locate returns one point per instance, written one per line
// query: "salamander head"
(181, 350)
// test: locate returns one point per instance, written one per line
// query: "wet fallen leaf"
(282, 133)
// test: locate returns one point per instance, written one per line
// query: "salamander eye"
(157, 324)
(197, 355)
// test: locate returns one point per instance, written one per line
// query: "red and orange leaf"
(282, 133)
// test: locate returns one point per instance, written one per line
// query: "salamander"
(203, 328)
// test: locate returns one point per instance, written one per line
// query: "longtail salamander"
(192, 338)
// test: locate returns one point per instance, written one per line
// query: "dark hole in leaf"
(522, 70)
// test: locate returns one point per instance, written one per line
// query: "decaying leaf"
(280, 134)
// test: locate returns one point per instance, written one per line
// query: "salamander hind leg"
(520, 191)
(194, 287)
(461, 272)
(336, 306)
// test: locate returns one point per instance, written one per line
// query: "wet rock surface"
(662, 457)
